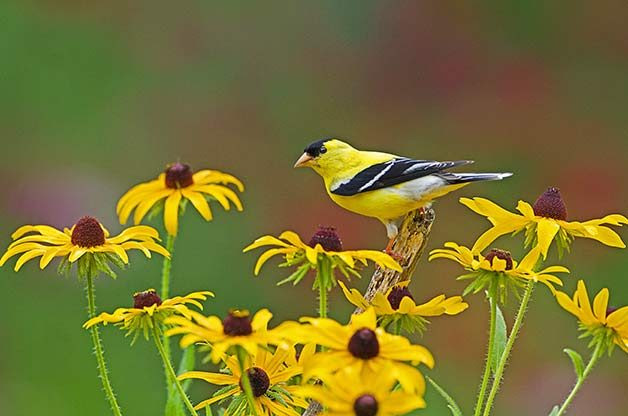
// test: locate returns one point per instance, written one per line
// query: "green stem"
(452, 403)
(165, 269)
(511, 340)
(594, 358)
(246, 384)
(322, 302)
(165, 293)
(171, 374)
(324, 277)
(491, 347)
(98, 349)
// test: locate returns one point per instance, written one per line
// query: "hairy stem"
(165, 293)
(98, 349)
(509, 344)
(594, 358)
(171, 374)
(487, 366)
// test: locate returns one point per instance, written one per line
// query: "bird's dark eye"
(323, 149)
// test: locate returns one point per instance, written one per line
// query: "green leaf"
(554, 411)
(174, 405)
(577, 362)
(188, 360)
(208, 411)
(454, 411)
(500, 338)
(451, 403)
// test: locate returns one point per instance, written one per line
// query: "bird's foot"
(388, 250)
(397, 257)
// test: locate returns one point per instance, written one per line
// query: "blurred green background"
(98, 96)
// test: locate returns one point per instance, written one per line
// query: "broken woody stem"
(408, 246)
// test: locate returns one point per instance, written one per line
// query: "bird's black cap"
(316, 148)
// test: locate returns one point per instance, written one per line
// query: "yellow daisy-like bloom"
(498, 267)
(268, 374)
(236, 329)
(178, 183)
(324, 250)
(347, 393)
(543, 222)
(361, 345)
(604, 324)
(149, 310)
(86, 236)
(397, 306)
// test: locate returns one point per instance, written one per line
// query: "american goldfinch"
(383, 185)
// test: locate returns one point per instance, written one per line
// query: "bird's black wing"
(391, 173)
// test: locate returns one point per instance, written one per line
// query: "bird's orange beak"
(302, 161)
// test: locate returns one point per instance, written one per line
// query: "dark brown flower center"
(178, 175)
(551, 205)
(328, 238)
(397, 294)
(259, 380)
(363, 344)
(145, 299)
(500, 254)
(88, 233)
(365, 405)
(236, 324)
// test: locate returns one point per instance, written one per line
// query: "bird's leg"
(388, 249)
(392, 230)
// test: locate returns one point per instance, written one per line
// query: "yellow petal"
(267, 240)
(140, 189)
(171, 213)
(293, 238)
(546, 230)
(261, 319)
(42, 229)
(266, 256)
(491, 235)
(147, 203)
(354, 296)
(26, 257)
(199, 202)
(526, 209)
(600, 303)
(567, 304)
(529, 261)
(213, 176)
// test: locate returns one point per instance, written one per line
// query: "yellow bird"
(383, 185)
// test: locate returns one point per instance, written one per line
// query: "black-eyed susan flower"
(324, 253)
(87, 242)
(497, 271)
(543, 222)
(348, 393)
(607, 326)
(178, 183)
(361, 345)
(148, 309)
(397, 307)
(236, 329)
(268, 374)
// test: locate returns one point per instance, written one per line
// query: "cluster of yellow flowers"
(367, 367)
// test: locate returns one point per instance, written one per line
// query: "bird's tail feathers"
(455, 178)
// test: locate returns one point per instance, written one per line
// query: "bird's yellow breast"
(388, 203)
(382, 203)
